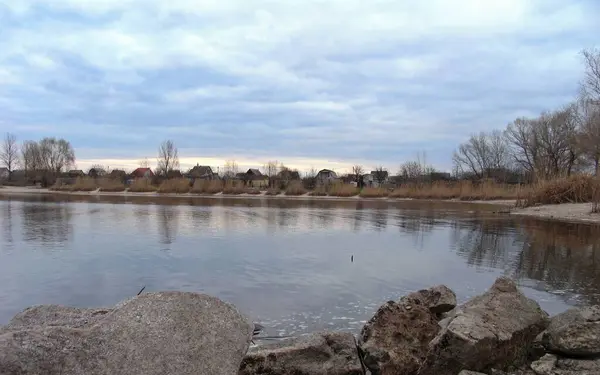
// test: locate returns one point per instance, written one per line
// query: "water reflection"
(286, 262)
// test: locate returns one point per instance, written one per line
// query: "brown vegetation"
(142, 185)
(175, 186)
(273, 191)
(207, 187)
(81, 184)
(295, 188)
(342, 190)
(463, 190)
(110, 185)
(572, 189)
(370, 192)
(234, 187)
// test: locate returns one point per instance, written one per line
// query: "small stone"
(545, 365)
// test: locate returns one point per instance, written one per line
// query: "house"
(4, 174)
(203, 172)
(96, 172)
(142, 173)
(284, 177)
(376, 178)
(174, 173)
(254, 178)
(326, 176)
(118, 175)
(74, 173)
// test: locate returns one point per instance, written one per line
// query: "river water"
(293, 265)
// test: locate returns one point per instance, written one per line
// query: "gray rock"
(324, 353)
(154, 333)
(494, 330)
(544, 365)
(551, 365)
(438, 299)
(467, 372)
(576, 332)
(395, 339)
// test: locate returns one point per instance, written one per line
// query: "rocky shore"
(501, 332)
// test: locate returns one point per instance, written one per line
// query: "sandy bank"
(571, 212)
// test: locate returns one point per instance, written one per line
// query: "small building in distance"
(201, 172)
(142, 173)
(326, 176)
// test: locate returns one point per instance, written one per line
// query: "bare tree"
(168, 157)
(591, 81)
(9, 153)
(357, 172)
(230, 170)
(380, 175)
(56, 154)
(31, 156)
(589, 133)
(144, 163)
(270, 170)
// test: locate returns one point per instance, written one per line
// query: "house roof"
(141, 172)
(254, 171)
(384, 173)
(289, 174)
(200, 171)
(326, 171)
(76, 171)
(3, 169)
(117, 172)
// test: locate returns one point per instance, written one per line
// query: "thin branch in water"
(141, 290)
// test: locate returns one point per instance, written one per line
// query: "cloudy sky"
(323, 83)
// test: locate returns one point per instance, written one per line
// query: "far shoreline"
(567, 212)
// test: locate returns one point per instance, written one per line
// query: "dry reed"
(207, 187)
(572, 189)
(342, 190)
(234, 188)
(370, 192)
(463, 190)
(175, 186)
(295, 188)
(142, 185)
(273, 191)
(110, 185)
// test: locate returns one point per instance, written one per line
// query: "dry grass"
(207, 187)
(234, 188)
(110, 185)
(596, 196)
(175, 186)
(343, 190)
(463, 190)
(81, 184)
(295, 188)
(273, 191)
(142, 185)
(370, 192)
(320, 191)
(252, 191)
(573, 189)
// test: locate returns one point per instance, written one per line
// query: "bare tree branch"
(9, 153)
(168, 157)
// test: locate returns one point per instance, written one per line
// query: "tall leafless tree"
(231, 169)
(56, 154)
(168, 157)
(9, 153)
(144, 163)
(591, 81)
(357, 172)
(270, 169)
(589, 133)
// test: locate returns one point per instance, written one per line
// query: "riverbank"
(424, 332)
(567, 212)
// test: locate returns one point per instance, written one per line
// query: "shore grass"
(174, 186)
(463, 190)
(370, 192)
(572, 189)
(234, 188)
(207, 187)
(295, 188)
(343, 190)
(273, 191)
(110, 185)
(142, 185)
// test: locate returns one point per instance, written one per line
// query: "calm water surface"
(284, 263)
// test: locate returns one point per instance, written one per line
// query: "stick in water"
(141, 290)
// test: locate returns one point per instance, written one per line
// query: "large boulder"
(494, 330)
(576, 333)
(438, 299)
(395, 339)
(324, 353)
(552, 365)
(154, 333)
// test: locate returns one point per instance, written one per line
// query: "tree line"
(554, 144)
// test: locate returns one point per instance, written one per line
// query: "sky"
(310, 83)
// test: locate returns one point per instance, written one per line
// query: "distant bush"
(207, 187)
(463, 190)
(319, 191)
(142, 185)
(175, 186)
(233, 187)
